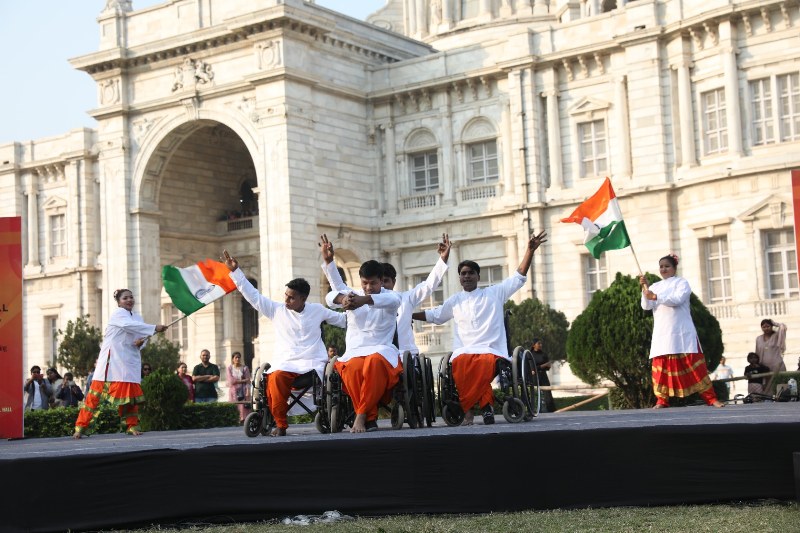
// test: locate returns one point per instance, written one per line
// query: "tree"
(533, 319)
(333, 335)
(79, 347)
(611, 340)
(161, 353)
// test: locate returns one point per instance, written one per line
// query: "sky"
(41, 95)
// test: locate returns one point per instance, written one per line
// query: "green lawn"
(761, 517)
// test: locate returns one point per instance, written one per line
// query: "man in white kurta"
(370, 366)
(298, 337)
(479, 335)
(410, 299)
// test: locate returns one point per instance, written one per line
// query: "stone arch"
(478, 129)
(189, 178)
(420, 139)
(166, 133)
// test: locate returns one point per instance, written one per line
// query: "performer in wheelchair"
(370, 366)
(298, 344)
(411, 299)
(479, 337)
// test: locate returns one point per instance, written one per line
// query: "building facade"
(258, 125)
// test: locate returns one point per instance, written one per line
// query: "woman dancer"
(118, 371)
(679, 368)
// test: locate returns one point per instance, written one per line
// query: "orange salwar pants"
(473, 375)
(279, 385)
(126, 396)
(368, 381)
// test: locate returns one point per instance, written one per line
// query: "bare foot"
(360, 424)
(468, 418)
(717, 403)
(77, 435)
(660, 406)
(134, 432)
(278, 432)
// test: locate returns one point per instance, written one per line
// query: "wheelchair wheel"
(529, 386)
(321, 424)
(253, 424)
(410, 397)
(332, 408)
(453, 416)
(398, 415)
(428, 410)
(513, 410)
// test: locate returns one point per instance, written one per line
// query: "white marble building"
(480, 118)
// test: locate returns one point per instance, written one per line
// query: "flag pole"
(636, 259)
(184, 316)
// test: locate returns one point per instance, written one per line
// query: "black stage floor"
(563, 460)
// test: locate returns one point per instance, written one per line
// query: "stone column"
(554, 137)
(732, 111)
(447, 13)
(686, 113)
(391, 165)
(421, 18)
(621, 97)
(395, 259)
(447, 174)
(410, 15)
(540, 7)
(31, 191)
(504, 138)
(486, 9)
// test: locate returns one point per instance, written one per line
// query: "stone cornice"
(234, 32)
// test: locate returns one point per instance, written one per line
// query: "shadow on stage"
(598, 459)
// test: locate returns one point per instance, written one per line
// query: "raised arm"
(424, 289)
(533, 243)
(329, 267)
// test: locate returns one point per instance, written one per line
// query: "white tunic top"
(124, 360)
(298, 336)
(370, 328)
(409, 301)
(673, 330)
(478, 317)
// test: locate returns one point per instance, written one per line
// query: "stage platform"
(561, 460)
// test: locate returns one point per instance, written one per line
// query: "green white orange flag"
(194, 287)
(602, 221)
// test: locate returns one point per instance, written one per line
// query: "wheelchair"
(412, 397)
(519, 384)
(260, 420)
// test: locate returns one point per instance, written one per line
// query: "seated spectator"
(755, 385)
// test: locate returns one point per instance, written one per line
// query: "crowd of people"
(378, 323)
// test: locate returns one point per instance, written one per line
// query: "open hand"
(229, 261)
(536, 240)
(444, 247)
(326, 247)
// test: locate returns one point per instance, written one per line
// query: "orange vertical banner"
(796, 206)
(11, 375)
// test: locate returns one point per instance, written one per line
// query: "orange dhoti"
(279, 385)
(126, 396)
(473, 375)
(680, 375)
(368, 381)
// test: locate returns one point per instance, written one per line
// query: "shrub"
(165, 396)
(60, 422)
(79, 346)
(161, 353)
(534, 319)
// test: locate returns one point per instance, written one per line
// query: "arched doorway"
(199, 183)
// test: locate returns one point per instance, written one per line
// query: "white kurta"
(124, 360)
(673, 329)
(409, 301)
(478, 317)
(298, 336)
(370, 328)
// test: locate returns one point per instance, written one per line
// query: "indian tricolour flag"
(194, 287)
(602, 221)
